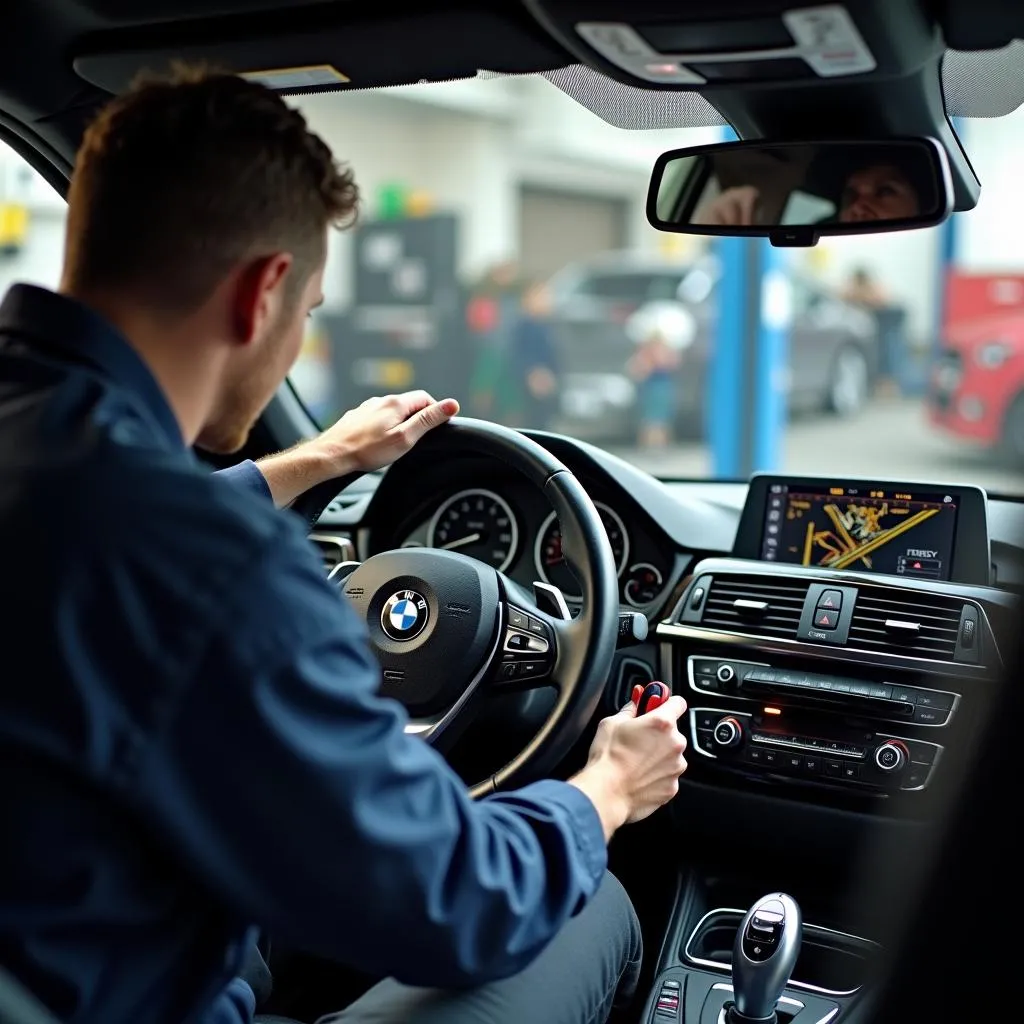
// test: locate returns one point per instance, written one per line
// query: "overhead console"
(848, 643)
(770, 41)
(764, 65)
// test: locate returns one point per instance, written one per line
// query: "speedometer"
(478, 523)
(551, 563)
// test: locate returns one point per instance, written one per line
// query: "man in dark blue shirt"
(191, 738)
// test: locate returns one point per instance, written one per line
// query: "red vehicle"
(977, 383)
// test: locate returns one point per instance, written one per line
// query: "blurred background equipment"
(13, 227)
(405, 327)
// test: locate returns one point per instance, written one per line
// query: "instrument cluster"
(509, 535)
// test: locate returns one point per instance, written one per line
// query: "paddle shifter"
(763, 958)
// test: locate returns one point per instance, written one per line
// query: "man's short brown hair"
(185, 176)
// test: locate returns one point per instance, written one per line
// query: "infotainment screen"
(863, 526)
(903, 533)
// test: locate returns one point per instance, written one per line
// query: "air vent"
(335, 548)
(754, 605)
(920, 625)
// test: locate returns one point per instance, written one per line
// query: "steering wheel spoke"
(529, 650)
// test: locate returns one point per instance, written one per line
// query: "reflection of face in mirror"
(878, 192)
(882, 185)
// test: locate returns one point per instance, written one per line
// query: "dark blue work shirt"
(191, 739)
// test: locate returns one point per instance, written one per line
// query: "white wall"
(990, 238)
(472, 144)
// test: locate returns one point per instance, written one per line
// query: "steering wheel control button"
(517, 642)
(518, 619)
(404, 615)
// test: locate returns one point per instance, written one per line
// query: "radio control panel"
(884, 702)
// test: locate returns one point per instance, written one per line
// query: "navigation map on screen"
(865, 529)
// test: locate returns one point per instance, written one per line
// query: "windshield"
(503, 257)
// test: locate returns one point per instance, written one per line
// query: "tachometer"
(478, 523)
(551, 563)
(643, 584)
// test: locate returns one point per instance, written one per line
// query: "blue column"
(745, 409)
(724, 407)
(772, 362)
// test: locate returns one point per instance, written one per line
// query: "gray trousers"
(591, 966)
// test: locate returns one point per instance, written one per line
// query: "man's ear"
(258, 293)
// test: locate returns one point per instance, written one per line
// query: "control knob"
(892, 756)
(728, 733)
(726, 673)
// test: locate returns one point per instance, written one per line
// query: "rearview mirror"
(795, 192)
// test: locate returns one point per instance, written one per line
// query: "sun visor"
(359, 53)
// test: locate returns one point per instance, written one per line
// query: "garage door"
(557, 228)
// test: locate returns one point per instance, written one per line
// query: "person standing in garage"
(196, 744)
(534, 360)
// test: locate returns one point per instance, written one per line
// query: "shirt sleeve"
(246, 476)
(293, 789)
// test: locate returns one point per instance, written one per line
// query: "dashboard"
(839, 642)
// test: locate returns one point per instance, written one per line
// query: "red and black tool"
(647, 698)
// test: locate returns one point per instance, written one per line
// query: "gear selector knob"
(763, 958)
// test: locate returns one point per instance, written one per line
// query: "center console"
(845, 645)
(837, 667)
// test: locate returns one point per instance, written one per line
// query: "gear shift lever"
(763, 958)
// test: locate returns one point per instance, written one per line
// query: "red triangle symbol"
(917, 565)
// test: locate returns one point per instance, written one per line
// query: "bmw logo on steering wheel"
(405, 615)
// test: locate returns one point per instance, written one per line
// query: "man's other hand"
(381, 430)
(634, 764)
(366, 438)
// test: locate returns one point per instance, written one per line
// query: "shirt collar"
(61, 325)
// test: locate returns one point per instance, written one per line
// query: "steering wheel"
(447, 628)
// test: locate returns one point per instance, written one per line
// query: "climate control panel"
(797, 746)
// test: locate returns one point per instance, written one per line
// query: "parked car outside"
(834, 349)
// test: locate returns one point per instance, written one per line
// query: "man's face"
(878, 193)
(258, 369)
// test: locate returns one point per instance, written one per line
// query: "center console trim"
(691, 712)
(784, 1001)
(716, 965)
(724, 986)
(779, 645)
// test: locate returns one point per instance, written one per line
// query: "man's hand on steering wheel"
(366, 438)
